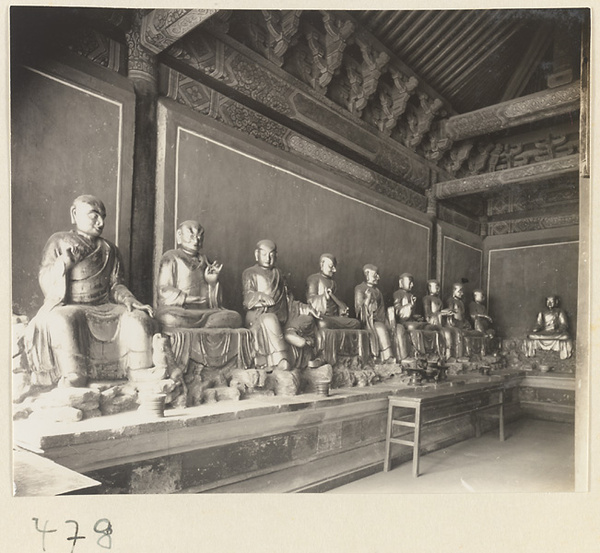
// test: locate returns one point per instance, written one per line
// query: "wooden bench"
(471, 396)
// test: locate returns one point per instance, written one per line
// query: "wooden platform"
(228, 445)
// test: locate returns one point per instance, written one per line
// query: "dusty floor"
(537, 456)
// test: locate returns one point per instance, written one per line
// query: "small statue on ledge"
(276, 319)
(457, 319)
(189, 294)
(434, 315)
(479, 314)
(321, 295)
(405, 320)
(550, 331)
(370, 309)
(86, 303)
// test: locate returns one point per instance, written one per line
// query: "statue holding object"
(550, 331)
(370, 310)
(189, 294)
(434, 315)
(478, 312)
(276, 319)
(411, 338)
(456, 320)
(321, 291)
(89, 318)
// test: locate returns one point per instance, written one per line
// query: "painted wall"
(523, 269)
(460, 260)
(242, 191)
(72, 132)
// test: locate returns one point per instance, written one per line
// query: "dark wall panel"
(66, 141)
(521, 277)
(461, 263)
(241, 199)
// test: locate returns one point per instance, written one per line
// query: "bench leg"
(501, 416)
(417, 441)
(388, 436)
(477, 425)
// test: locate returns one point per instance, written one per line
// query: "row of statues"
(89, 313)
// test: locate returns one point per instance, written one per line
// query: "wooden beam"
(161, 28)
(534, 107)
(488, 182)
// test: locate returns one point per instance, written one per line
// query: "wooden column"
(142, 71)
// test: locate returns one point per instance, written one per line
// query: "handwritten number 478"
(102, 527)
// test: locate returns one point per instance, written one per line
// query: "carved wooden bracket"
(389, 102)
(526, 109)
(489, 157)
(419, 119)
(360, 74)
(161, 28)
(457, 156)
(535, 172)
(270, 32)
(437, 143)
(316, 58)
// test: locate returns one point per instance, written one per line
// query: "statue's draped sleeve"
(252, 296)
(118, 291)
(403, 305)
(53, 272)
(168, 292)
(315, 294)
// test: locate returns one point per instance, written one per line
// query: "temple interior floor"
(537, 456)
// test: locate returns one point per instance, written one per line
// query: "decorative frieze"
(97, 47)
(563, 195)
(489, 157)
(204, 100)
(531, 173)
(532, 223)
(527, 109)
(245, 72)
(161, 28)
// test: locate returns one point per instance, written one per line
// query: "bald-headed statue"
(321, 295)
(188, 291)
(409, 338)
(370, 309)
(551, 331)
(276, 319)
(88, 314)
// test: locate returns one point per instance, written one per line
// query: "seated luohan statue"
(434, 315)
(478, 312)
(410, 337)
(321, 295)
(550, 331)
(458, 322)
(276, 319)
(370, 310)
(89, 318)
(189, 294)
